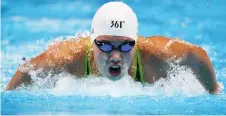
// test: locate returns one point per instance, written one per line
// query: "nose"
(115, 57)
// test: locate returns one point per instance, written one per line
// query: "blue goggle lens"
(127, 47)
(106, 47)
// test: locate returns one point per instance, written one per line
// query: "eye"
(106, 47)
(126, 47)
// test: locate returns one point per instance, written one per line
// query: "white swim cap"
(114, 18)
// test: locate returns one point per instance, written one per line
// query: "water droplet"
(183, 25)
(23, 58)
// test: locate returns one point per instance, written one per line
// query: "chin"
(114, 78)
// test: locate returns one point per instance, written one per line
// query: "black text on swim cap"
(117, 24)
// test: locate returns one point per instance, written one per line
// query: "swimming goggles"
(105, 46)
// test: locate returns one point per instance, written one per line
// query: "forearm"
(206, 76)
(18, 79)
(197, 59)
(203, 69)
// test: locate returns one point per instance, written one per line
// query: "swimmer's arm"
(68, 55)
(18, 79)
(22, 74)
(197, 59)
(201, 65)
(43, 62)
(192, 56)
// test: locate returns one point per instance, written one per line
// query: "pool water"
(29, 27)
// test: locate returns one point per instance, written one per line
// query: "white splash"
(180, 81)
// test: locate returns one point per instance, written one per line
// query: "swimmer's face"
(113, 64)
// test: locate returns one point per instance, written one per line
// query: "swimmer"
(114, 49)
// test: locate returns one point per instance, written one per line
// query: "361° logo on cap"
(117, 24)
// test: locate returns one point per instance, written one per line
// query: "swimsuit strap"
(138, 74)
(88, 69)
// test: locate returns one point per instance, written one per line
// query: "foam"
(178, 82)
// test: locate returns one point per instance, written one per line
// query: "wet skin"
(156, 52)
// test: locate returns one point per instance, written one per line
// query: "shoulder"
(68, 49)
(165, 48)
(61, 53)
(153, 46)
(69, 45)
(154, 41)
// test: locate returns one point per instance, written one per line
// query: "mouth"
(114, 70)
